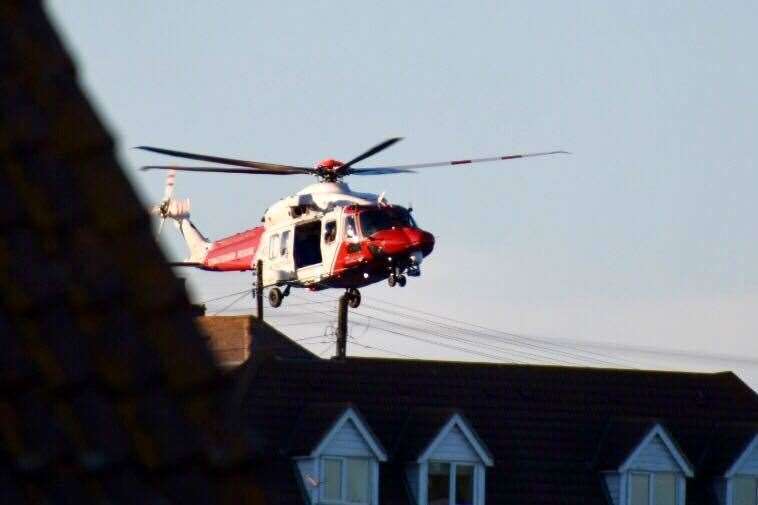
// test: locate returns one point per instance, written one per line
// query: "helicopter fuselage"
(326, 236)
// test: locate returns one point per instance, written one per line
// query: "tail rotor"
(168, 207)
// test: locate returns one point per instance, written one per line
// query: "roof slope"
(104, 381)
(542, 424)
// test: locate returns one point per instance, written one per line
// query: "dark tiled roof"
(728, 442)
(619, 439)
(107, 391)
(267, 340)
(543, 425)
(314, 423)
(420, 429)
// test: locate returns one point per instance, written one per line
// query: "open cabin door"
(307, 251)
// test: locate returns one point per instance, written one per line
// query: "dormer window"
(451, 468)
(346, 480)
(653, 488)
(642, 465)
(450, 483)
(341, 464)
(655, 472)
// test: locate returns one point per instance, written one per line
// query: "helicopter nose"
(403, 240)
(427, 243)
(420, 240)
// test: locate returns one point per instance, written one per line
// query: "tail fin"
(179, 212)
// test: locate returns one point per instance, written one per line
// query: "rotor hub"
(328, 169)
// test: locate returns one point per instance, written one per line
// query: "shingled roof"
(543, 425)
(107, 391)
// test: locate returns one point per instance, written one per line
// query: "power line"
(515, 339)
(353, 342)
(542, 349)
(598, 345)
(224, 296)
(231, 304)
(508, 354)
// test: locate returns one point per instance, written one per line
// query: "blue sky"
(645, 235)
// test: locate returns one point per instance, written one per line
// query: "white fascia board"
(685, 465)
(468, 432)
(351, 415)
(738, 462)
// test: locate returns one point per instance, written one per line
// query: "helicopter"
(324, 236)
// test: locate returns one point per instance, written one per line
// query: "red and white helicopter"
(323, 236)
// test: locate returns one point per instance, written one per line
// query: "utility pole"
(259, 289)
(342, 328)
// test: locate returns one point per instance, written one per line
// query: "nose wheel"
(353, 298)
(275, 297)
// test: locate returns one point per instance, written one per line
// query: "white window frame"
(478, 467)
(484, 459)
(651, 476)
(343, 480)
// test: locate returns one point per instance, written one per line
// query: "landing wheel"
(392, 280)
(401, 280)
(353, 298)
(275, 297)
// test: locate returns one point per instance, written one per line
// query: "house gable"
(350, 436)
(456, 441)
(747, 462)
(657, 453)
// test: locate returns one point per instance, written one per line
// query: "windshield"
(373, 220)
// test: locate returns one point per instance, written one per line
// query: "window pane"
(330, 232)
(332, 481)
(273, 246)
(744, 491)
(357, 480)
(640, 489)
(664, 489)
(350, 227)
(285, 243)
(464, 484)
(439, 484)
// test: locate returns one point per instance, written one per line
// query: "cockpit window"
(374, 220)
(350, 229)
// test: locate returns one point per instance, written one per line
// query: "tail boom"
(235, 253)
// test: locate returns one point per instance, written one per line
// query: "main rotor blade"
(223, 161)
(379, 171)
(376, 149)
(252, 171)
(464, 162)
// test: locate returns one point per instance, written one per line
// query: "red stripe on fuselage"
(234, 253)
